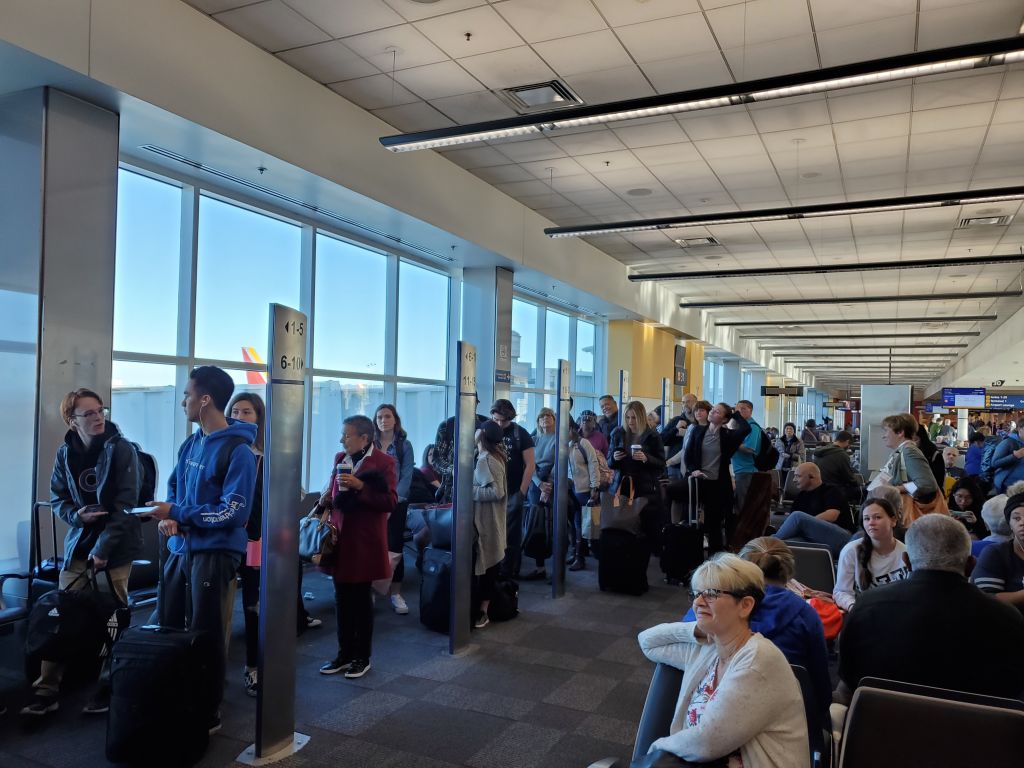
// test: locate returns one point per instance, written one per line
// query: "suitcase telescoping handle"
(694, 500)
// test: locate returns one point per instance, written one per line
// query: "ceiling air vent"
(697, 242)
(985, 221)
(539, 97)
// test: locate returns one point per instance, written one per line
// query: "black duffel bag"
(69, 624)
(537, 531)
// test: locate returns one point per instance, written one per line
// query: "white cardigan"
(757, 709)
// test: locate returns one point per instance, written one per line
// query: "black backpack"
(149, 476)
(988, 472)
(767, 456)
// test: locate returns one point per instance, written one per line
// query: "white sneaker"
(399, 604)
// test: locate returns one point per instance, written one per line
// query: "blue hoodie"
(1008, 468)
(215, 509)
(795, 629)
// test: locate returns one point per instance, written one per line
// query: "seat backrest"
(789, 490)
(659, 708)
(941, 693)
(814, 567)
(893, 729)
(815, 717)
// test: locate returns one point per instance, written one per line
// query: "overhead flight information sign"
(1006, 402)
(963, 398)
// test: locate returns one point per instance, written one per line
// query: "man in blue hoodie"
(209, 497)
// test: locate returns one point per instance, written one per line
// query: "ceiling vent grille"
(697, 242)
(539, 97)
(985, 221)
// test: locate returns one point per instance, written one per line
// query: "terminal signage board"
(788, 391)
(1006, 402)
(935, 408)
(963, 398)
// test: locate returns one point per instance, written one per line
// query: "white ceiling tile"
(1013, 84)
(591, 197)
(409, 118)
(779, 57)
(610, 85)
(619, 13)
(958, 176)
(476, 157)
(794, 114)
(486, 29)
(605, 162)
(934, 92)
(694, 172)
(328, 62)
(667, 154)
(873, 128)
(764, 197)
(414, 10)
(374, 92)
(871, 40)
(950, 118)
(508, 68)
(524, 188)
(534, 149)
(829, 14)
(759, 21)
(580, 183)
(435, 81)
(348, 18)
(399, 47)
(736, 146)
(802, 140)
(555, 169)
(584, 53)
(948, 141)
(473, 108)
(622, 179)
(892, 100)
(719, 123)
(650, 134)
(538, 20)
(687, 73)
(1009, 111)
(502, 174)
(666, 38)
(589, 143)
(546, 200)
(967, 23)
(216, 6)
(272, 26)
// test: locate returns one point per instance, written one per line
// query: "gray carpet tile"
(608, 728)
(575, 751)
(520, 745)
(561, 639)
(582, 691)
(458, 697)
(521, 681)
(626, 700)
(624, 650)
(554, 659)
(362, 713)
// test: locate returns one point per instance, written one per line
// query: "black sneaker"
(334, 667)
(357, 668)
(40, 705)
(98, 704)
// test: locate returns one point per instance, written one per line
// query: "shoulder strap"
(224, 457)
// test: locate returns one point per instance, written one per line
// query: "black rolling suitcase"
(623, 563)
(435, 589)
(683, 543)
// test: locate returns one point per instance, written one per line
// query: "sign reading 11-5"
(288, 344)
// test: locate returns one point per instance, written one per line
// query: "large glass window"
(351, 307)
(422, 408)
(422, 322)
(586, 343)
(147, 267)
(524, 344)
(145, 405)
(556, 346)
(333, 401)
(247, 261)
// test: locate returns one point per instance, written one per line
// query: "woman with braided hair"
(873, 559)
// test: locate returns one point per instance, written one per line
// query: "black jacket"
(731, 440)
(670, 436)
(116, 537)
(645, 474)
(834, 463)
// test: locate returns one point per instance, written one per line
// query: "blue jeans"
(800, 526)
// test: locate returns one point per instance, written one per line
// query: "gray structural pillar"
(731, 381)
(624, 394)
(487, 324)
(58, 223)
(559, 541)
(463, 530)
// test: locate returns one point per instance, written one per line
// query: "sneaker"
(536, 575)
(399, 604)
(313, 623)
(251, 680)
(98, 704)
(357, 668)
(334, 667)
(214, 724)
(578, 564)
(40, 705)
(482, 622)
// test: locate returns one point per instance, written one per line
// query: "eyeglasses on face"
(104, 412)
(710, 595)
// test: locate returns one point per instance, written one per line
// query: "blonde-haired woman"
(545, 441)
(739, 700)
(638, 456)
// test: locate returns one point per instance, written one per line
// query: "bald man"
(821, 512)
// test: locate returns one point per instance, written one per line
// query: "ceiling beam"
(822, 269)
(853, 300)
(858, 321)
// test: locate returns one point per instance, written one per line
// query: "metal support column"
(623, 393)
(666, 402)
(560, 517)
(462, 500)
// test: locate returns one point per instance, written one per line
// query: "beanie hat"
(1017, 500)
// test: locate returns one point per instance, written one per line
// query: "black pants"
(396, 538)
(208, 581)
(251, 612)
(354, 604)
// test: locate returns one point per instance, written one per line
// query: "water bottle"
(344, 468)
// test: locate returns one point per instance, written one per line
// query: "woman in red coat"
(361, 496)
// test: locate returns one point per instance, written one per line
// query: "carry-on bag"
(622, 566)
(537, 531)
(435, 589)
(624, 511)
(683, 543)
(69, 624)
(505, 601)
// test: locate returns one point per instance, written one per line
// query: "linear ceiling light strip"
(959, 58)
(853, 300)
(801, 337)
(859, 321)
(877, 205)
(823, 269)
(778, 351)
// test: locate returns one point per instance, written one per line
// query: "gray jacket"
(908, 464)
(489, 499)
(116, 537)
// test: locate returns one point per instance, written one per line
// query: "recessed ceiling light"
(639, 192)
(810, 175)
(957, 277)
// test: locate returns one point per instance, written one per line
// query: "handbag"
(624, 511)
(537, 531)
(830, 615)
(592, 517)
(318, 537)
(68, 624)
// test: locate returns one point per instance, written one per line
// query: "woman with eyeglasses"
(739, 702)
(96, 480)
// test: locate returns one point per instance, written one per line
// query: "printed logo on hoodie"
(234, 503)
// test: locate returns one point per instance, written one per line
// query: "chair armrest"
(659, 708)
(14, 575)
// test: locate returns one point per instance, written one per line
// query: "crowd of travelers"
(928, 555)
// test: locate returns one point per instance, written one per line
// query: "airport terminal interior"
(808, 205)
